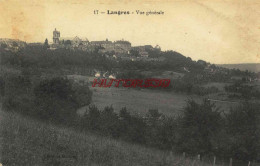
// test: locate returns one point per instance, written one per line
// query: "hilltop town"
(111, 49)
(122, 50)
(119, 48)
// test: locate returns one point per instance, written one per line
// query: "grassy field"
(140, 101)
(24, 141)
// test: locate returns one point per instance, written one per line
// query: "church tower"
(56, 36)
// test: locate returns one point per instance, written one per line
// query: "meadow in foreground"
(25, 141)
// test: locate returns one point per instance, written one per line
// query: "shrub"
(91, 119)
(109, 122)
(16, 93)
(199, 124)
(161, 131)
(133, 127)
(82, 94)
(243, 128)
(54, 100)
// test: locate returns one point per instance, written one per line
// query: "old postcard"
(130, 82)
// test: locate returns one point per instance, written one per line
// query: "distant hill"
(254, 67)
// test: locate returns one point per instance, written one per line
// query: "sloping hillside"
(28, 142)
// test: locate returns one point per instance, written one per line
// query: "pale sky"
(218, 31)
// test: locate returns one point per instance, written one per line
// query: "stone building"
(122, 46)
(118, 47)
(138, 48)
(141, 50)
(105, 46)
(73, 41)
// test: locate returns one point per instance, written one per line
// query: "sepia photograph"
(129, 83)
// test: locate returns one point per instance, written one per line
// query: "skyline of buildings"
(118, 47)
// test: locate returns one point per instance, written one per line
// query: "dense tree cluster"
(44, 58)
(54, 98)
(202, 129)
(240, 90)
